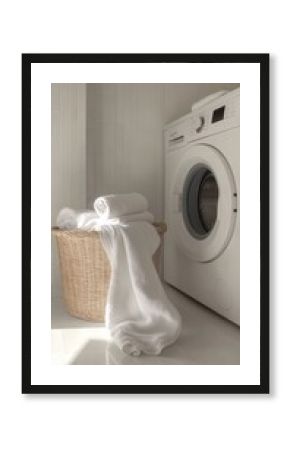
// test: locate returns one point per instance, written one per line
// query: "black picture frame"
(263, 61)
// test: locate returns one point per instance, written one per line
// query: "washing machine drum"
(204, 203)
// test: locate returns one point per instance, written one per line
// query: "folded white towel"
(111, 206)
(139, 315)
(145, 216)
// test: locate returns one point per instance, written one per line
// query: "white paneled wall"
(124, 135)
(124, 140)
(68, 156)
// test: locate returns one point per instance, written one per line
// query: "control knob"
(198, 124)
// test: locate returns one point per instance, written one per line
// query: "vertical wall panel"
(68, 156)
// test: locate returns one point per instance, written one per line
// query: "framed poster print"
(145, 223)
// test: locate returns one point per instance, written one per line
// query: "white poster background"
(42, 369)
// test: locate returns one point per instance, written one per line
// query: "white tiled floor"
(205, 339)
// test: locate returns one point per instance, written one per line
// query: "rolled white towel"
(145, 216)
(111, 206)
(93, 222)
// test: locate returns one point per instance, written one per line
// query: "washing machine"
(202, 176)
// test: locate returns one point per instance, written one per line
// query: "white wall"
(68, 156)
(124, 135)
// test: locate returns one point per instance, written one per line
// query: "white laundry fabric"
(89, 220)
(71, 219)
(111, 206)
(139, 315)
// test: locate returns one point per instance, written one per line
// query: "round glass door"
(200, 201)
(202, 206)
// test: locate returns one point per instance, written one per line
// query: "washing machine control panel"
(221, 114)
(204, 120)
(176, 135)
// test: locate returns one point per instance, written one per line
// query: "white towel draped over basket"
(139, 315)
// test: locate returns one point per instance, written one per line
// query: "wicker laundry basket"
(85, 271)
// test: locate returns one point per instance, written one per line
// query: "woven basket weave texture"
(85, 271)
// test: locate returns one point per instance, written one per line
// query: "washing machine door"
(203, 203)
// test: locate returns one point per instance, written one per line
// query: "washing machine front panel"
(215, 284)
(202, 177)
(202, 203)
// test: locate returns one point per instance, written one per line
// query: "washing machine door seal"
(203, 203)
